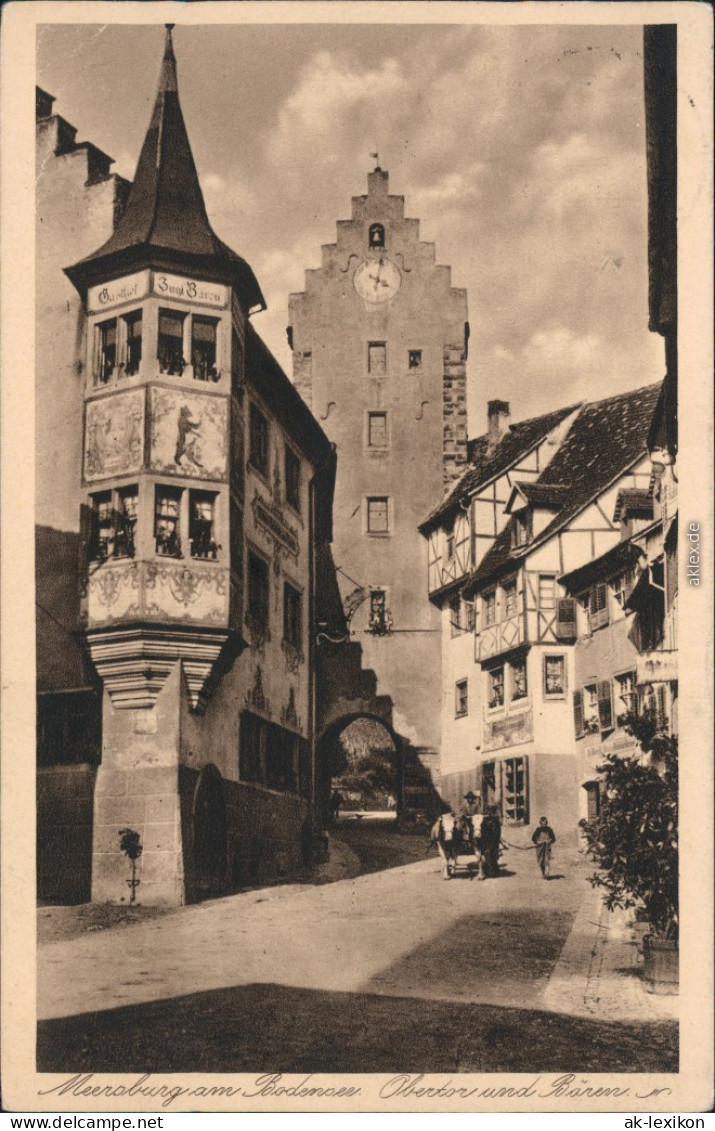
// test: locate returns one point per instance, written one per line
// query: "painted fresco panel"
(507, 731)
(188, 434)
(114, 593)
(114, 429)
(186, 593)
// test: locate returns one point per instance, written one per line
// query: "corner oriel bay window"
(105, 350)
(114, 518)
(202, 508)
(203, 348)
(170, 352)
(133, 342)
(167, 521)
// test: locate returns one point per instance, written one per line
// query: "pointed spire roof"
(165, 224)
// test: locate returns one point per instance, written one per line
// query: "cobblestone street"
(394, 969)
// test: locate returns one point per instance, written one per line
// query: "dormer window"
(376, 236)
(521, 534)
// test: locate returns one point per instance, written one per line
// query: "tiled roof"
(165, 221)
(551, 496)
(605, 439)
(618, 558)
(632, 499)
(487, 463)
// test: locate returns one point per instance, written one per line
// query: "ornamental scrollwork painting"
(113, 441)
(255, 696)
(289, 715)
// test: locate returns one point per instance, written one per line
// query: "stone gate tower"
(379, 339)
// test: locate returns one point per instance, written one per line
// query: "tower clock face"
(377, 280)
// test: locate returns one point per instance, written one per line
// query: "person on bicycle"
(543, 837)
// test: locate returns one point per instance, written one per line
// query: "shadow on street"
(253, 1028)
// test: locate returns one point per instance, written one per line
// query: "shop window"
(510, 606)
(377, 359)
(516, 795)
(258, 591)
(105, 350)
(202, 538)
(114, 518)
(133, 342)
(598, 606)
(292, 616)
(376, 236)
(461, 698)
(258, 441)
(495, 687)
(379, 617)
(414, 359)
(547, 596)
(170, 352)
(625, 698)
(378, 519)
(270, 755)
(377, 429)
(167, 521)
(489, 605)
(203, 348)
(292, 479)
(554, 676)
(518, 679)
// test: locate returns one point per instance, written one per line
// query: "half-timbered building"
(550, 510)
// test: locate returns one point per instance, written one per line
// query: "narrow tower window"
(377, 359)
(376, 236)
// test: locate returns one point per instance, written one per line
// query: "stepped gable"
(165, 224)
(606, 438)
(487, 463)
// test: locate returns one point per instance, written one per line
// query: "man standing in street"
(491, 839)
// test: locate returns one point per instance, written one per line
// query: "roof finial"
(167, 76)
(377, 168)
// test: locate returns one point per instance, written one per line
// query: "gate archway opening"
(360, 758)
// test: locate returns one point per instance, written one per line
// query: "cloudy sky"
(521, 150)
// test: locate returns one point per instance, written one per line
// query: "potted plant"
(635, 841)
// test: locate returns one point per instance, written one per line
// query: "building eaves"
(606, 439)
(619, 557)
(488, 464)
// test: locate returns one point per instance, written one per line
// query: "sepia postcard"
(356, 364)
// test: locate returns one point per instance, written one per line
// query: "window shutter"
(566, 619)
(578, 713)
(605, 705)
(662, 703)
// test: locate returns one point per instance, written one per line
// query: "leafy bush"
(635, 837)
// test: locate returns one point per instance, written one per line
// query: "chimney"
(498, 416)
